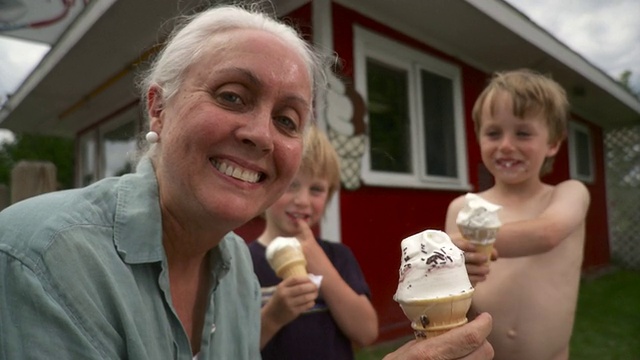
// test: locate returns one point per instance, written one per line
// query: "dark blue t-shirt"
(314, 334)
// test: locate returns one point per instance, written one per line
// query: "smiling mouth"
(299, 216)
(507, 163)
(245, 175)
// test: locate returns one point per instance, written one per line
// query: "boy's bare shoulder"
(570, 200)
(573, 187)
(456, 204)
(457, 201)
(571, 183)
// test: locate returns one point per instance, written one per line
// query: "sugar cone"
(486, 249)
(432, 317)
(288, 262)
(482, 238)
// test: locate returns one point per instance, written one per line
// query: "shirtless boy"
(532, 289)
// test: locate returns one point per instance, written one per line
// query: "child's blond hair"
(320, 159)
(531, 93)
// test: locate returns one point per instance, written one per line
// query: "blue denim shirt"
(83, 275)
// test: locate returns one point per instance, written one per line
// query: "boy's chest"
(525, 210)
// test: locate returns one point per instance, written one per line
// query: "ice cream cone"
(432, 317)
(289, 261)
(482, 238)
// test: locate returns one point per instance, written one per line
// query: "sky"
(605, 32)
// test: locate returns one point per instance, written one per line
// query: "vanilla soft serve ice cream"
(285, 256)
(431, 267)
(478, 213)
(479, 223)
(280, 243)
(434, 291)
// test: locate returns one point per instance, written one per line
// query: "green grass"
(607, 322)
(607, 325)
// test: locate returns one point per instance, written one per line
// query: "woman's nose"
(257, 131)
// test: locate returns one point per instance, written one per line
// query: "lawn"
(607, 323)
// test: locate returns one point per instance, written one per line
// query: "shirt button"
(213, 328)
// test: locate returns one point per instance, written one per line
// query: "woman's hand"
(467, 342)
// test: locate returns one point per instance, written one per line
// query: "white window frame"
(131, 114)
(81, 155)
(97, 132)
(368, 44)
(575, 128)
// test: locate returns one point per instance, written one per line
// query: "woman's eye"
(229, 97)
(523, 134)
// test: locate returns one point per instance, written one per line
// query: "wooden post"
(4, 196)
(31, 178)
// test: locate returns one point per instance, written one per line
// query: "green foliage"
(625, 80)
(607, 320)
(57, 150)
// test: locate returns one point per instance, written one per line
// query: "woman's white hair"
(188, 41)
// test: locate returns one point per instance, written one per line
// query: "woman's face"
(231, 137)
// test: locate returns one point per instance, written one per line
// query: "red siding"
(375, 219)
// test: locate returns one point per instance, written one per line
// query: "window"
(119, 147)
(415, 118)
(87, 170)
(109, 149)
(580, 153)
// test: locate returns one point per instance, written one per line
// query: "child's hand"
(476, 263)
(317, 260)
(292, 297)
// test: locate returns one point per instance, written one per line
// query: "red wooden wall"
(375, 219)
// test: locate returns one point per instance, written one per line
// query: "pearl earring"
(152, 137)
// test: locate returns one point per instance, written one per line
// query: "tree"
(625, 80)
(57, 150)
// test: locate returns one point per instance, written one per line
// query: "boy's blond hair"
(531, 93)
(320, 159)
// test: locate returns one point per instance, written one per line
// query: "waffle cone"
(482, 238)
(289, 262)
(432, 317)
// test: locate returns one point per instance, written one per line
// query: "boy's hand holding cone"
(478, 222)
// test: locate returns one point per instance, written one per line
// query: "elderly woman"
(145, 266)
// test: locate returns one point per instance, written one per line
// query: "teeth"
(507, 163)
(237, 173)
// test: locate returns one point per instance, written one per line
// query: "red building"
(408, 147)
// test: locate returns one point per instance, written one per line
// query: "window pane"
(582, 152)
(439, 131)
(389, 123)
(119, 147)
(87, 154)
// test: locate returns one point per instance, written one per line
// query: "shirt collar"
(138, 221)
